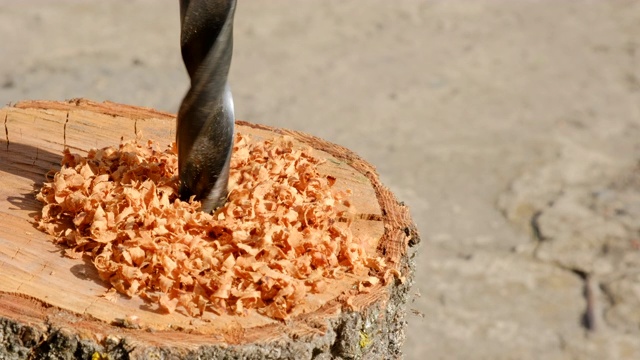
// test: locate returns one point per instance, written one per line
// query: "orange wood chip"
(275, 240)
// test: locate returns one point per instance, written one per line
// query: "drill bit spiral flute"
(205, 124)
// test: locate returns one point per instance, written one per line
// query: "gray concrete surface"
(511, 128)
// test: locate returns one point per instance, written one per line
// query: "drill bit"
(204, 134)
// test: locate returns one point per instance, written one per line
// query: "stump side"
(37, 322)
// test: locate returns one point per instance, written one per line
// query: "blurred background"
(510, 128)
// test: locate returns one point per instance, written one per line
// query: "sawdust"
(275, 240)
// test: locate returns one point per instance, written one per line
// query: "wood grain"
(39, 286)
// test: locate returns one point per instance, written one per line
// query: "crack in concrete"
(588, 319)
(535, 227)
(589, 316)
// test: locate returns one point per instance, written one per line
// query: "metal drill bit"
(204, 135)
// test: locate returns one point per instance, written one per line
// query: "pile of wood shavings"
(273, 242)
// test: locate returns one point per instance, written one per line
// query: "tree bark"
(50, 306)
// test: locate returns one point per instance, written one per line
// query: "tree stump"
(50, 305)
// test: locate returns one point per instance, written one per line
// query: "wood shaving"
(275, 241)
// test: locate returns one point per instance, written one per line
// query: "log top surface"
(37, 282)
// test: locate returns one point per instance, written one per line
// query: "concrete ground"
(511, 128)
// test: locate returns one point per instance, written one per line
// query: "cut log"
(51, 305)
